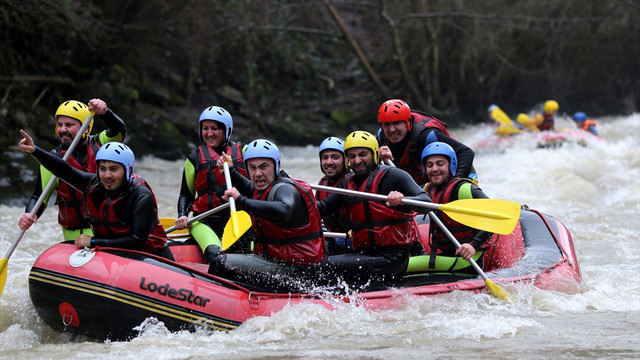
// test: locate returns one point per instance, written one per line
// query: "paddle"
(199, 216)
(232, 201)
(496, 216)
(498, 115)
(239, 221)
(495, 289)
(45, 193)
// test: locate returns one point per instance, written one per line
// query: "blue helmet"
(580, 116)
(216, 113)
(333, 143)
(261, 148)
(439, 148)
(120, 153)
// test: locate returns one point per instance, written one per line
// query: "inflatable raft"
(545, 139)
(105, 293)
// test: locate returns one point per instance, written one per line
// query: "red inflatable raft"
(105, 293)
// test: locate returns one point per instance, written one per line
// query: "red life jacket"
(373, 223)
(463, 233)
(210, 183)
(588, 123)
(547, 123)
(301, 245)
(408, 162)
(337, 221)
(106, 223)
(68, 199)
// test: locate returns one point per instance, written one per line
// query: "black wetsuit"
(383, 263)
(138, 208)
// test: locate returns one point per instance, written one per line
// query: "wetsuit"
(410, 148)
(442, 250)
(378, 258)
(69, 200)
(336, 222)
(288, 230)
(203, 184)
(136, 206)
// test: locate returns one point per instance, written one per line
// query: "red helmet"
(395, 110)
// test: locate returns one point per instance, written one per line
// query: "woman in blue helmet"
(119, 205)
(284, 217)
(203, 183)
(439, 162)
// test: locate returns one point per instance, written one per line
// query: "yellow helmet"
(522, 118)
(361, 139)
(551, 106)
(76, 110)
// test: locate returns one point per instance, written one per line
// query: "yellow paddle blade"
(498, 115)
(497, 291)
(496, 216)
(176, 233)
(507, 130)
(3, 273)
(234, 222)
(243, 221)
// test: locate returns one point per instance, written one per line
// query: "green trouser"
(204, 235)
(420, 263)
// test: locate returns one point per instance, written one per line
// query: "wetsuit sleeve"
(240, 182)
(287, 207)
(141, 212)
(400, 180)
(60, 168)
(116, 128)
(187, 189)
(464, 153)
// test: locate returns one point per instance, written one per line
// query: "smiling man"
(439, 163)
(405, 132)
(334, 168)
(70, 116)
(382, 232)
(119, 205)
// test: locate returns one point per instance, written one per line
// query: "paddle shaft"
(47, 190)
(375, 196)
(455, 241)
(200, 216)
(232, 201)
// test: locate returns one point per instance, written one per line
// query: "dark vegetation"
(298, 71)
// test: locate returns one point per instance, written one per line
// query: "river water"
(593, 189)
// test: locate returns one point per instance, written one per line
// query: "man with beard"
(334, 168)
(439, 162)
(405, 132)
(382, 232)
(70, 116)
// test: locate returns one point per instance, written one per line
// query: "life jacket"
(408, 162)
(547, 123)
(210, 183)
(105, 223)
(588, 123)
(68, 199)
(300, 245)
(440, 243)
(337, 221)
(373, 223)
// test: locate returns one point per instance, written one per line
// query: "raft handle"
(249, 298)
